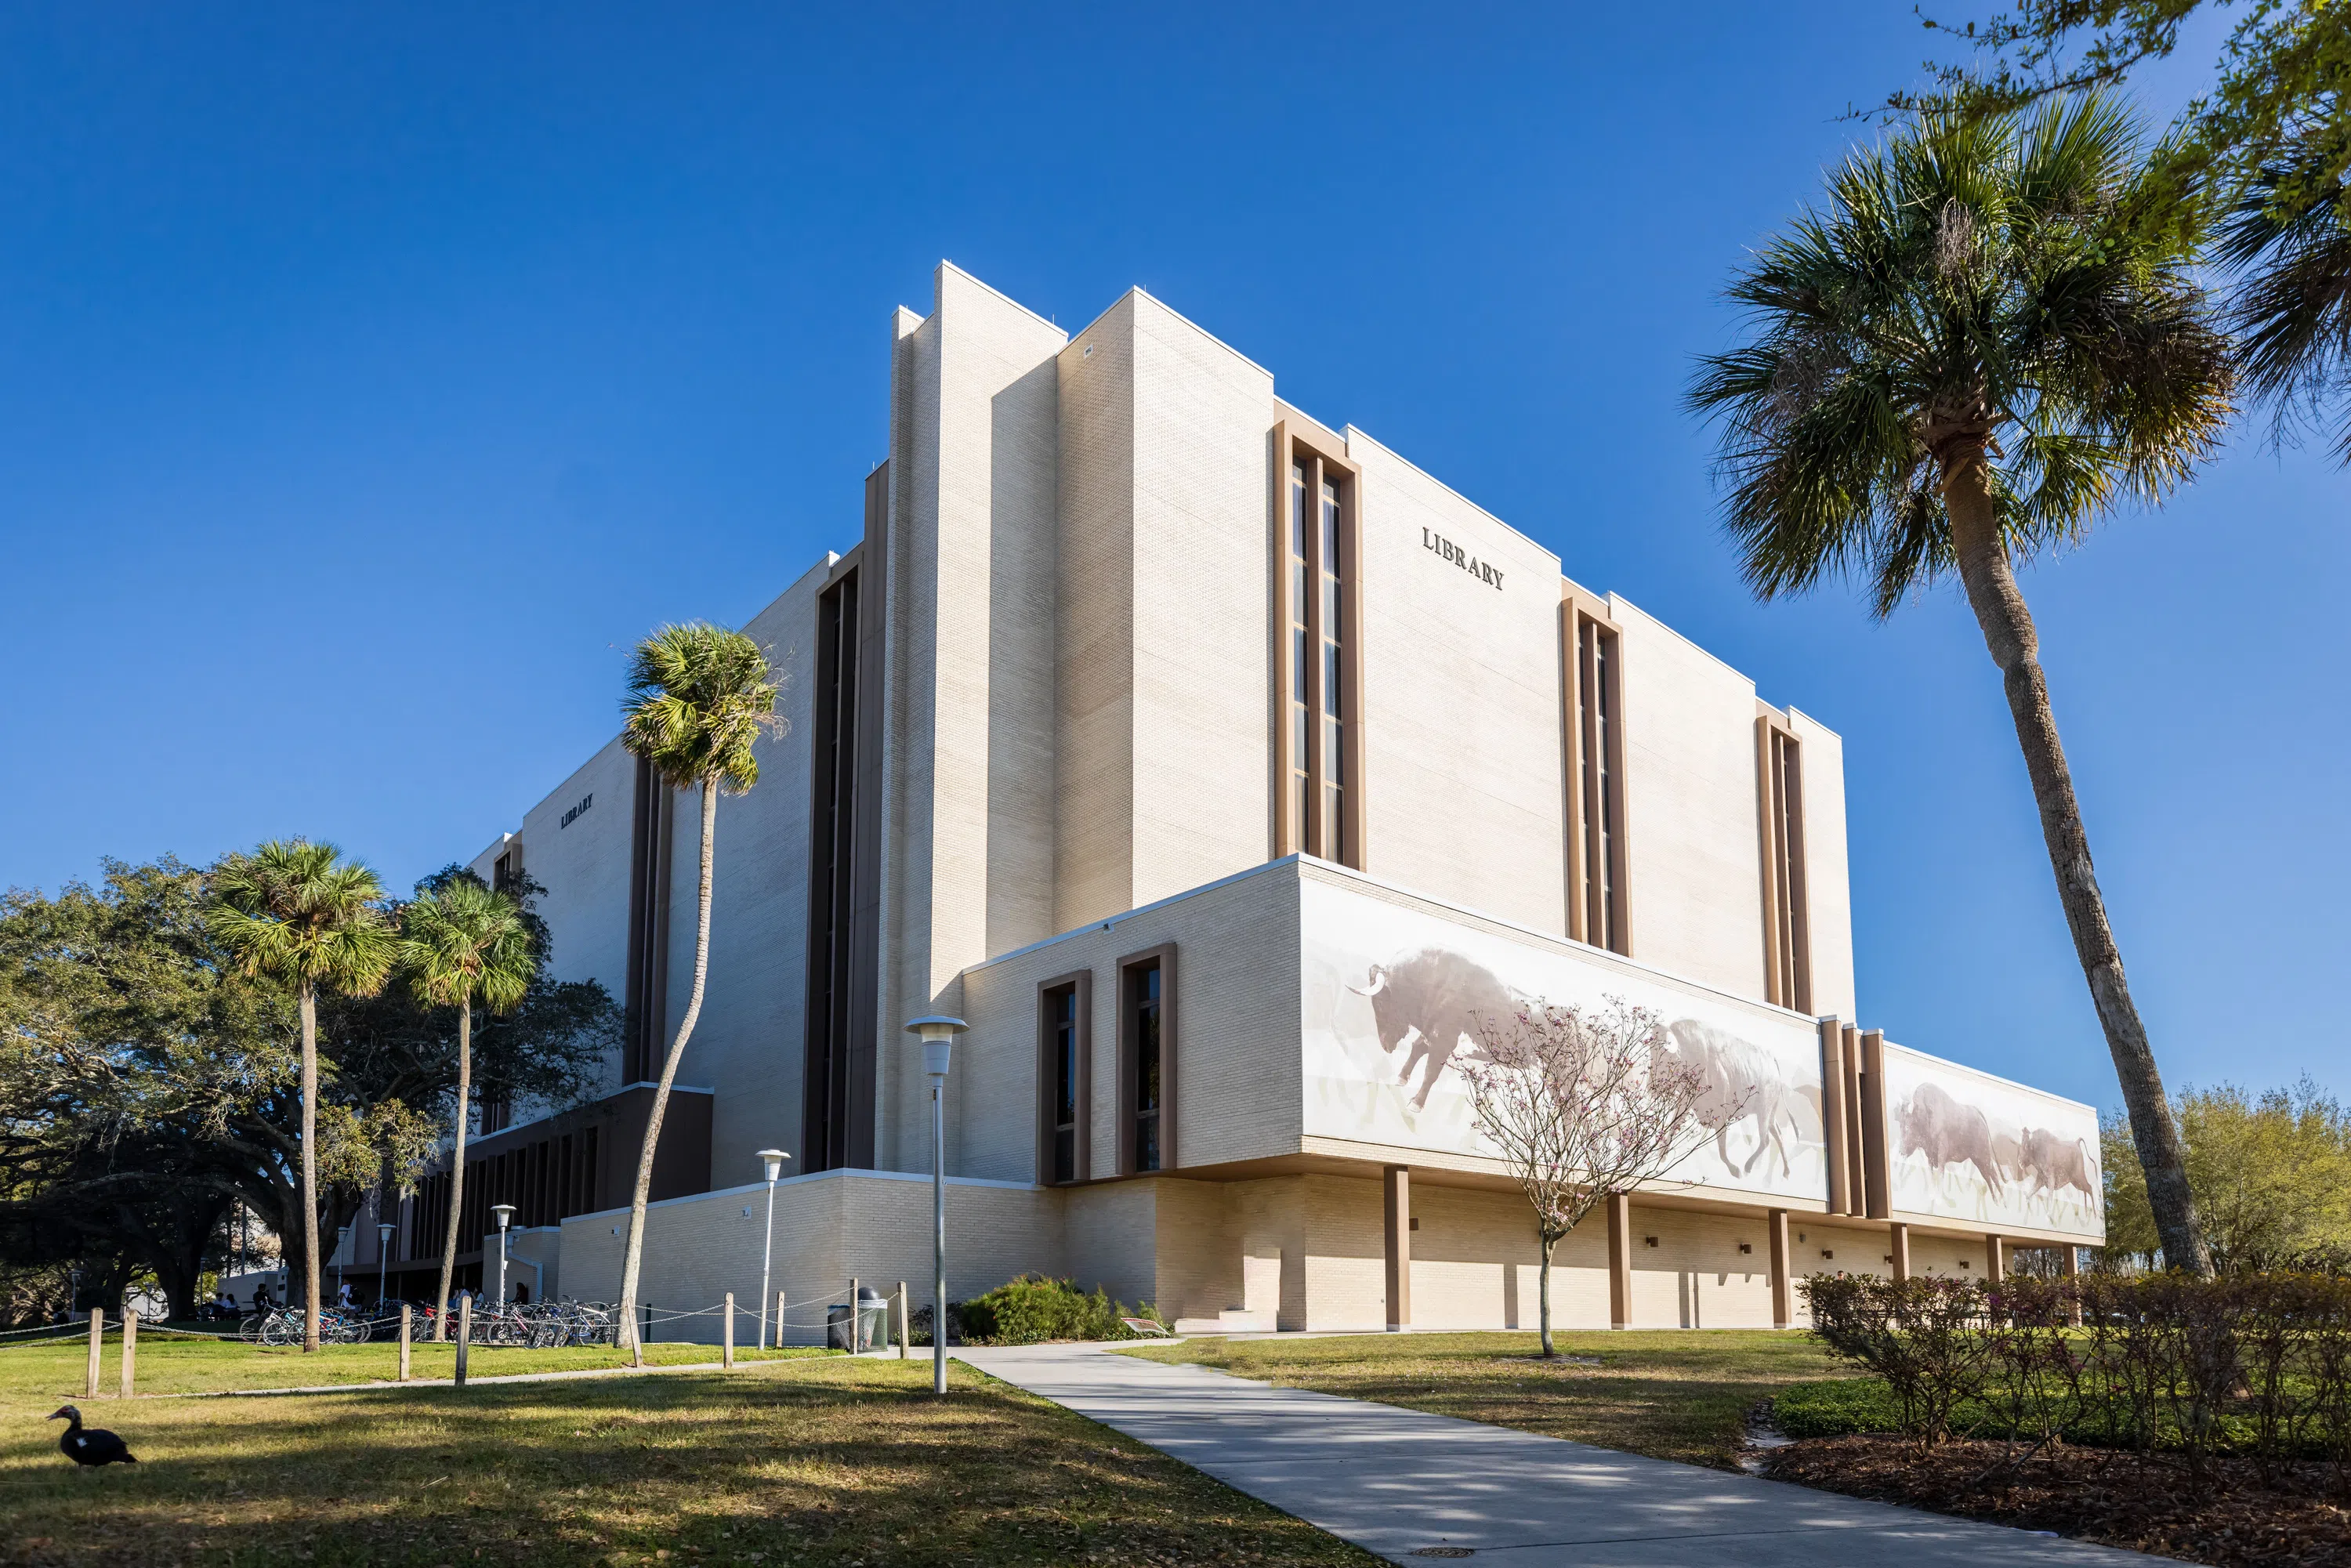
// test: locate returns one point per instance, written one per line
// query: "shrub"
(1927, 1339)
(1034, 1309)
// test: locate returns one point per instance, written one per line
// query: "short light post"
(937, 1034)
(342, 1238)
(774, 1160)
(506, 1213)
(383, 1229)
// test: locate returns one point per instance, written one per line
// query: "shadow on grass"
(814, 1462)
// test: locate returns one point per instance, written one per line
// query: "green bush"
(1033, 1309)
(1835, 1408)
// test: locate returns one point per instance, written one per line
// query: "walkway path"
(1397, 1483)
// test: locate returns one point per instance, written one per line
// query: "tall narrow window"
(1332, 826)
(1064, 1078)
(647, 1005)
(825, 1082)
(1146, 1030)
(1318, 664)
(1596, 893)
(1300, 716)
(1780, 799)
(509, 869)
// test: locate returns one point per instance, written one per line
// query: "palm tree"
(462, 941)
(300, 913)
(2290, 241)
(699, 699)
(1989, 337)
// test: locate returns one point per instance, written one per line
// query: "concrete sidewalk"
(1397, 1483)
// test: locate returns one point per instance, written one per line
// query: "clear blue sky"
(369, 376)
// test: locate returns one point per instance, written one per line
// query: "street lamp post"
(505, 1212)
(342, 1235)
(383, 1229)
(937, 1033)
(774, 1160)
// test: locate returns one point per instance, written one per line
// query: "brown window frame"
(1296, 445)
(1780, 828)
(1170, 1058)
(1599, 840)
(1081, 984)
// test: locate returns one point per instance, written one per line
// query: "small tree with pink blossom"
(1581, 1105)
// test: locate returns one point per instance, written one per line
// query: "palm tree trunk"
(2015, 647)
(1542, 1295)
(456, 1167)
(635, 1255)
(310, 1006)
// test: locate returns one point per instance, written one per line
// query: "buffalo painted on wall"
(1971, 1146)
(1434, 999)
(1743, 1080)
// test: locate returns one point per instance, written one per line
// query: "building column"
(1899, 1234)
(1396, 1187)
(1995, 1258)
(1620, 1260)
(2069, 1269)
(1783, 1287)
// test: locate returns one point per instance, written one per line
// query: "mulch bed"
(2242, 1519)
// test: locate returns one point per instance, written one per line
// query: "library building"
(1227, 774)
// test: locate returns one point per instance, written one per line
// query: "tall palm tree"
(299, 912)
(464, 941)
(1988, 337)
(2289, 240)
(699, 699)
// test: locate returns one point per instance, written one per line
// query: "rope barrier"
(803, 1313)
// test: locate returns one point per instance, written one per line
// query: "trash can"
(873, 1323)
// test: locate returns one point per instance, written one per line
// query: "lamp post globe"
(937, 1032)
(773, 1161)
(506, 1213)
(383, 1229)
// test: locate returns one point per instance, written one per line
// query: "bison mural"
(1745, 1081)
(1434, 998)
(2053, 1160)
(1949, 1133)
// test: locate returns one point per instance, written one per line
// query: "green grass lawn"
(815, 1460)
(1673, 1395)
(171, 1366)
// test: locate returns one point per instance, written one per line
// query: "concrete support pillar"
(1783, 1284)
(1397, 1187)
(1620, 1262)
(2069, 1268)
(1995, 1258)
(1899, 1235)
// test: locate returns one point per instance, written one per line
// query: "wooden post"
(1396, 1186)
(1783, 1285)
(465, 1332)
(905, 1322)
(779, 1320)
(1899, 1235)
(405, 1331)
(96, 1341)
(130, 1347)
(1620, 1260)
(726, 1344)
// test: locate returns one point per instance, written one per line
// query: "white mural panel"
(1393, 999)
(1962, 1144)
